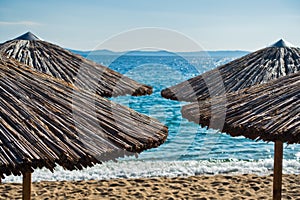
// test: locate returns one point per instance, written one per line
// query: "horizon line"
(158, 50)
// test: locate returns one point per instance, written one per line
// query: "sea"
(189, 149)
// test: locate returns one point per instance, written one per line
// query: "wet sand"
(193, 187)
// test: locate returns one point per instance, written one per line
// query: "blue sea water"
(189, 149)
(186, 141)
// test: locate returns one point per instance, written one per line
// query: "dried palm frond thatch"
(45, 121)
(258, 67)
(269, 112)
(51, 59)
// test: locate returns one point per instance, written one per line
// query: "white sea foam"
(137, 169)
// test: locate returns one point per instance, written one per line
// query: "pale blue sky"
(214, 24)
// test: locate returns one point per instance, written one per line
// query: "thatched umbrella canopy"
(51, 59)
(268, 112)
(45, 121)
(261, 66)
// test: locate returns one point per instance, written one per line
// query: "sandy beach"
(193, 187)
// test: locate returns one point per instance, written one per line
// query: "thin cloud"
(24, 23)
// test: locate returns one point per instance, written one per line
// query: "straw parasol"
(268, 112)
(51, 59)
(38, 126)
(261, 66)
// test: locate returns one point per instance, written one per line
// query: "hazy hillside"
(222, 53)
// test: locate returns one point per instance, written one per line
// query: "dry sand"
(195, 187)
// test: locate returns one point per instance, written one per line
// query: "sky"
(118, 24)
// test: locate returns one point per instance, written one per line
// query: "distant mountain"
(222, 53)
(79, 52)
(149, 53)
(94, 52)
(236, 53)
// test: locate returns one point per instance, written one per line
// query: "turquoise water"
(189, 149)
(186, 141)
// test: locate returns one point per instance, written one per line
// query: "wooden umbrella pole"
(27, 186)
(277, 177)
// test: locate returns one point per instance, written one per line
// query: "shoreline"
(146, 169)
(247, 186)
